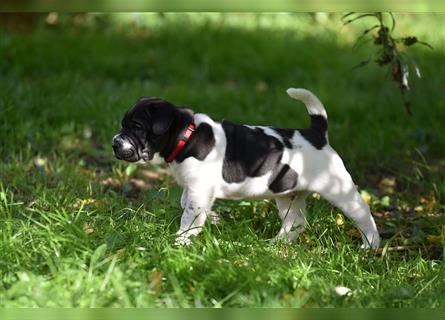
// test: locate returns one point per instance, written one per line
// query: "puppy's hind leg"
(342, 193)
(292, 211)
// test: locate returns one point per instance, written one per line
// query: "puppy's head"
(151, 126)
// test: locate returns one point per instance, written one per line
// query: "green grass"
(78, 228)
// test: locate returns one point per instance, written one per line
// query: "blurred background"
(66, 79)
(77, 71)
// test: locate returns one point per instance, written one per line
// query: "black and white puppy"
(212, 159)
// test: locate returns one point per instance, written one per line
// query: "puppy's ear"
(162, 115)
(186, 110)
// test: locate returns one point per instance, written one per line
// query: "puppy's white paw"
(213, 217)
(371, 242)
(285, 237)
(183, 240)
(289, 236)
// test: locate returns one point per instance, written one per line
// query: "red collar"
(182, 141)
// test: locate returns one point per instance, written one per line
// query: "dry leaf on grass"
(339, 220)
(149, 174)
(88, 229)
(121, 252)
(354, 233)
(41, 164)
(387, 185)
(140, 184)
(155, 281)
(110, 182)
(433, 239)
(366, 196)
(79, 203)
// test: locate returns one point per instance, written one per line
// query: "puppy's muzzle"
(123, 149)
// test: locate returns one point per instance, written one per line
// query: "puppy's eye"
(137, 126)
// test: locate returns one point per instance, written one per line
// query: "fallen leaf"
(139, 183)
(418, 209)
(388, 181)
(429, 202)
(110, 182)
(86, 172)
(83, 202)
(121, 252)
(151, 174)
(354, 233)
(52, 18)
(405, 207)
(366, 196)
(339, 220)
(88, 229)
(41, 164)
(155, 281)
(433, 239)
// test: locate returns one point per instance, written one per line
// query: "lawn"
(80, 229)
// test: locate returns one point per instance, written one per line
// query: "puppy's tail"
(319, 117)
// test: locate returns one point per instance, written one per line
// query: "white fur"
(126, 145)
(320, 171)
(313, 104)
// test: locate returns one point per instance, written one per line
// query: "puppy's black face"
(146, 130)
(143, 128)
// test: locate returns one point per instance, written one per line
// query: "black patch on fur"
(316, 134)
(249, 152)
(319, 123)
(315, 138)
(287, 135)
(283, 178)
(200, 144)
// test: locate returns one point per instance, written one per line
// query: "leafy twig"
(388, 52)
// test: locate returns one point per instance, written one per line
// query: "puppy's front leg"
(212, 215)
(197, 206)
(184, 198)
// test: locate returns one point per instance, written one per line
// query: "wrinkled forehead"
(136, 111)
(141, 109)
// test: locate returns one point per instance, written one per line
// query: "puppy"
(219, 159)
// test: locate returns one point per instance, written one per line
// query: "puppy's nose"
(116, 143)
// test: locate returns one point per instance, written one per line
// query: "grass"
(80, 229)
